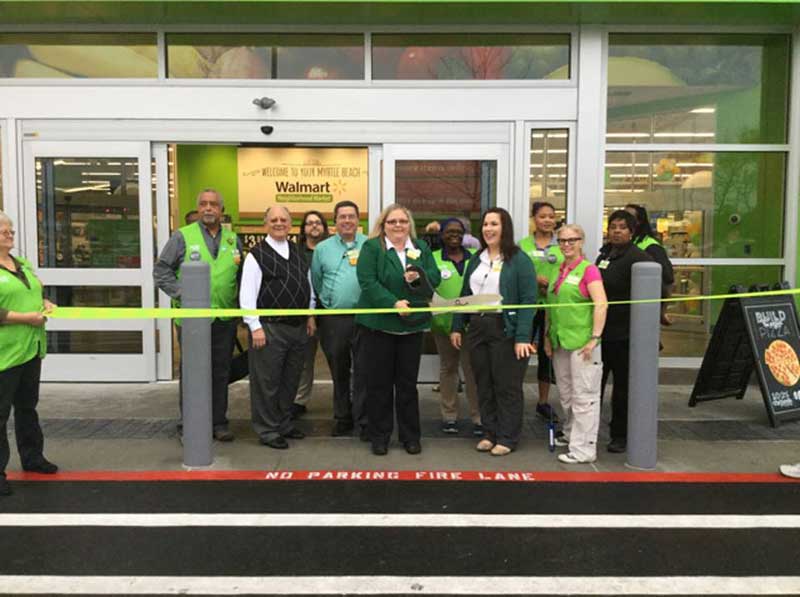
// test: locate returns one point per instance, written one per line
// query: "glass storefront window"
(693, 320)
(78, 55)
(704, 204)
(84, 342)
(1, 170)
(88, 212)
(548, 176)
(437, 189)
(90, 342)
(265, 56)
(95, 296)
(470, 56)
(689, 88)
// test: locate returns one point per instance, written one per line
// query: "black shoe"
(617, 445)
(450, 427)
(477, 430)
(224, 435)
(544, 410)
(341, 428)
(380, 449)
(5, 487)
(294, 433)
(412, 447)
(363, 435)
(297, 410)
(278, 443)
(43, 467)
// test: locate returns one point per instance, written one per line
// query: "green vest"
(570, 327)
(647, 241)
(449, 288)
(540, 259)
(223, 268)
(20, 342)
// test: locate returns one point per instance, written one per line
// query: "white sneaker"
(570, 458)
(791, 470)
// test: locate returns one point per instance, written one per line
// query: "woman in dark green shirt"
(499, 342)
(395, 270)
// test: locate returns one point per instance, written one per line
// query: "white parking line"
(654, 521)
(380, 585)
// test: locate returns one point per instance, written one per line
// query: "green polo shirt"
(333, 272)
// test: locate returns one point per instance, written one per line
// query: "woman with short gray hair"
(22, 346)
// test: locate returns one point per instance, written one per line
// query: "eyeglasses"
(395, 222)
(313, 223)
(8, 233)
(569, 241)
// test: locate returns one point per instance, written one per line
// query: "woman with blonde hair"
(573, 341)
(395, 270)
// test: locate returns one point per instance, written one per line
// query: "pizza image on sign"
(783, 363)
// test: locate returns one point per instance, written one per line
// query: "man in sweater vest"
(206, 240)
(275, 276)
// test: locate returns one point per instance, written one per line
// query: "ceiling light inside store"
(685, 135)
(703, 111)
(101, 173)
(81, 189)
(627, 135)
(68, 163)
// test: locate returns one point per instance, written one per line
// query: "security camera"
(267, 129)
(734, 219)
(265, 103)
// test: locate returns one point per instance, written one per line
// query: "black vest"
(284, 282)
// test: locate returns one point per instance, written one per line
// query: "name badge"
(446, 274)
(603, 264)
(352, 256)
(497, 266)
(538, 254)
(573, 280)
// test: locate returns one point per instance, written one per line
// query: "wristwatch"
(598, 338)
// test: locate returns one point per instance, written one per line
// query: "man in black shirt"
(615, 262)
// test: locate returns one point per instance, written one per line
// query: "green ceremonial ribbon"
(88, 313)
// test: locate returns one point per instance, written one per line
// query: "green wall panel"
(421, 12)
(207, 166)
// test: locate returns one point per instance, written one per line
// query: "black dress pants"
(615, 363)
(19, 387)
(499, 376)
(223, 336)
(392, 370)
(341, 341)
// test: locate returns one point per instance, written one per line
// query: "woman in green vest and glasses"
(574, 327)
(542, 247)
(452, 260)
(22, 346)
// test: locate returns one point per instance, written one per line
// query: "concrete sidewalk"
(124, 427)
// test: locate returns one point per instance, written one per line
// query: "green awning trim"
(400, 12)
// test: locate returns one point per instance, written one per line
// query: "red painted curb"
(421, 476)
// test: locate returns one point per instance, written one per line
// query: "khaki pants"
(449, 359)
(579, 391)
(307, 376)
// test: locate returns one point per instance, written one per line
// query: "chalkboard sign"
(758, 333)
